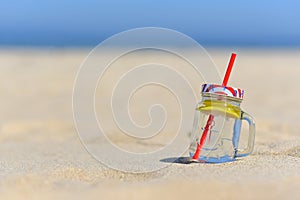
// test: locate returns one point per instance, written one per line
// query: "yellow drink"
(220, 108)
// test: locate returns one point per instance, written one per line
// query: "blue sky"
(66, 22)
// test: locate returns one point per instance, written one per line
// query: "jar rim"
(208, 94)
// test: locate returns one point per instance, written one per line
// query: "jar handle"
(251, 137)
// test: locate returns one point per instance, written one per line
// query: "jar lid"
(223, 90)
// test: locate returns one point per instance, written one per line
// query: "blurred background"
(211, 23)
(42, 45)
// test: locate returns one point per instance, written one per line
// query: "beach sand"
(42, 157)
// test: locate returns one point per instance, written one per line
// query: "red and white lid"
(223, 90)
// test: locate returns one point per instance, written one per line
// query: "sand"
(41, 156)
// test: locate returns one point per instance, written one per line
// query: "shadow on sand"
(179, 160)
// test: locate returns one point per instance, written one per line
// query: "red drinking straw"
(211, 117)
(229, 68)
(203, 137)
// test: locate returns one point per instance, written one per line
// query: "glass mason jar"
(217, 126)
